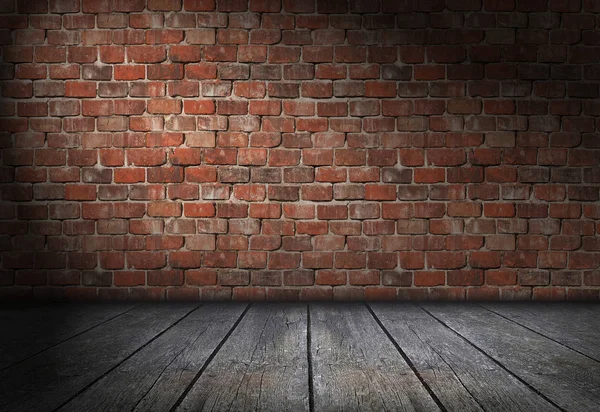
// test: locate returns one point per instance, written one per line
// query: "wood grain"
(262, 366)
(155, 377)
(356, 367)
(579, 330)
(297, 357)
(563, 376)
(463, 378)
(45, 381)
(32, 329)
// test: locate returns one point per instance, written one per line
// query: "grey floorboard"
(356, 367)
(262, 366)
(33, 329)
(155, 377)
(463, 378)
(292, 357)
(45, 381)
(573, 325)
(563, 376)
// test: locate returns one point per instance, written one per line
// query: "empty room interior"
(300, 205)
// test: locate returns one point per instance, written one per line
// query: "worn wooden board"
(45, 381)
(157, 358)
(572, 325)
(156, 376)
(356, 367)
(563, 376)
(262, 366)
(463, 378)
(29, 330)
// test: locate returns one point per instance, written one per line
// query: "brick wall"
(169, 149)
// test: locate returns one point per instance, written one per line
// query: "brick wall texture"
(284, 149)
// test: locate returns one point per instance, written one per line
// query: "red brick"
(380, 192)
(499, 209)
(164, 209)
(199, 209)
(80, 89)
(133, 72)
(146, 54)
(80, 192)
(430, 278)
(485, 260)
(501, 277)
(164, 106)
(465, 278)
(464, 209)
(383, 89)
(412, 260)
(446, 260)
(461, 173)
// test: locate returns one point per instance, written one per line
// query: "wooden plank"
(45, 381)
(34, 329)
(462, 377)
(156, 376)
(572, 325)
(356, 367)
(563, 376)
(262, 366)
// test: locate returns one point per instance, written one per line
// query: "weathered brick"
(328, 152)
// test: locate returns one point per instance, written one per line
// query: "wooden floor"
(299, 357)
